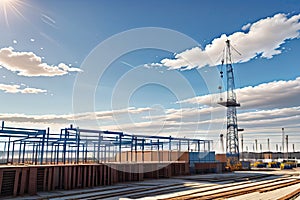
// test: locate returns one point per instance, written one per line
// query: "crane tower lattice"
(232, 141)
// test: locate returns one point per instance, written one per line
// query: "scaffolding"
(76, 145)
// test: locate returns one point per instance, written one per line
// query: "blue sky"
(50, 43)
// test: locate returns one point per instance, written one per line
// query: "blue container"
(202, 157)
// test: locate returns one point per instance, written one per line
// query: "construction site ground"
(242, 185)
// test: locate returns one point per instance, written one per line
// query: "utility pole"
(242, 143)
(260, 147)
(222, 142)
(242, 139)
(282, 145)
(256, 145)
(269, 153)
(287, 143)
(287, 146)
(293, 147)
(261, 153)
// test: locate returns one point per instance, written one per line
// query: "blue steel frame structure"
(75, 145)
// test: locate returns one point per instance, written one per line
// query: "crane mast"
(232, 142)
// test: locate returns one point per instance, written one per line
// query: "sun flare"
(10, 7)
(5, 1)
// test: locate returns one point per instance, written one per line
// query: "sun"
(9, 7)
(5, 1)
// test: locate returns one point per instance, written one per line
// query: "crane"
(232, 141)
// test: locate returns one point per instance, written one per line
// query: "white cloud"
(269, 115)
(32, 91)
(48, 20)
(149, 65)
(259, 39)
(265, 109)
(29, 64)
(246, 27)
(190, 122)
(276, 94)
(39, 119)
(196, 123)
(17, 89)
(67, 118)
